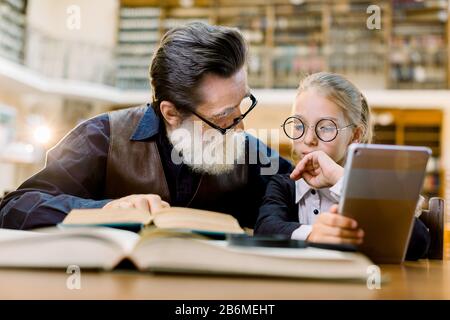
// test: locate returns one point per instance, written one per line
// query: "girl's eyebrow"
(330, 118)
(324, 118)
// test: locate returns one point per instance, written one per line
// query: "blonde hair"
(345, 95)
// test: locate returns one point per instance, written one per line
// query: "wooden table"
(412, 280)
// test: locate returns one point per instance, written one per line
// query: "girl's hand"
(331, 227)
(318, 170)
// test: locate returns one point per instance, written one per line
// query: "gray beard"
(207, 151)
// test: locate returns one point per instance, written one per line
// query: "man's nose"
(240, 124)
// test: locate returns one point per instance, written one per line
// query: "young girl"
(330, 113)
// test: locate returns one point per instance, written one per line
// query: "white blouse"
(311, 202)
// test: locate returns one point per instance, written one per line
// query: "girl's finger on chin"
(309, 166)
(308, 177)
(298, 170)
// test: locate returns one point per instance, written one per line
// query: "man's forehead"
(218, 90)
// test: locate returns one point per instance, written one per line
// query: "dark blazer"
(278, 214)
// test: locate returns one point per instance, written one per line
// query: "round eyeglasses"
(326, 129)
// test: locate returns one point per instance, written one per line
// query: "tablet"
(381, 189)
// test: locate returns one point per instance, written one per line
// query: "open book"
(163, 250)
(168, 218)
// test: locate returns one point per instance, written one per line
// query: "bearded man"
(187, 148)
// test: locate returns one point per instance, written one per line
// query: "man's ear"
(170, 113)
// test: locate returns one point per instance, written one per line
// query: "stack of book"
(174, 240)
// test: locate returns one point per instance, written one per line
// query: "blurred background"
(64, 61)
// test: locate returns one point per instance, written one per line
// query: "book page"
(212, 256)
(8, 234)
(194, 219)
(87, 247)
(107, 217)
(125, 240)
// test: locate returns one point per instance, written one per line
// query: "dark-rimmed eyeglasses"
(246, 105)
(326, 129)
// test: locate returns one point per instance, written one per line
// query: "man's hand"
(148, 202)
(318, 170)
(331, 227)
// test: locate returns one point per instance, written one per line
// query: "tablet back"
(381, 188)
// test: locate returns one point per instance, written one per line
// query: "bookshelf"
(418, 53)
(289, 39)
(12, 29)
(355, 50)
(298, 43)
(138, 36)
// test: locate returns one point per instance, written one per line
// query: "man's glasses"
(246, 105)
(326, 129)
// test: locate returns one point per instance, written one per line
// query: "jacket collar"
(148, 126)
(301, 188)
